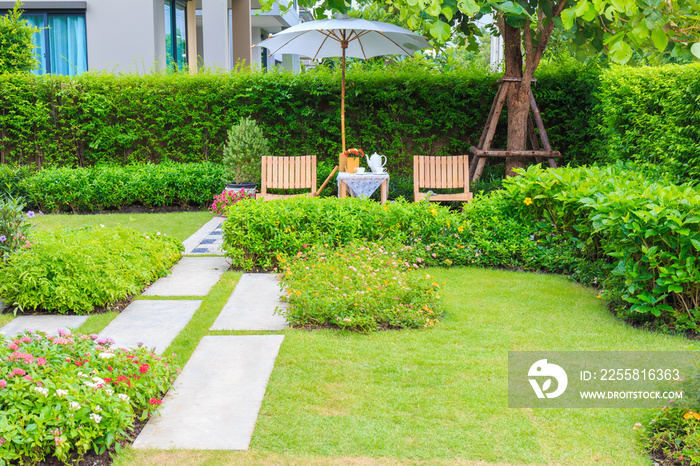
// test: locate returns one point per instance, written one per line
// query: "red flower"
(155, 401)
(107, 379)
(144, 368)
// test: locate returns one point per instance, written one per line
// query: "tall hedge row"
(644, 114)
(101, 118)
(651, 115)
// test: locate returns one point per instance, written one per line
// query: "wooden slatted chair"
(288, 173)
(433, 172)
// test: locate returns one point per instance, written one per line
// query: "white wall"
(121, 35)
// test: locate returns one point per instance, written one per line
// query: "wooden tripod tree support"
(484, 150)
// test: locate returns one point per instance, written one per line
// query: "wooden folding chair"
(288, 173)
(432, 172)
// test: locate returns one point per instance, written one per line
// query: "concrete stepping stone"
(191, 276)
(252, 304)
(49, 324)
(214, 403)
(153, 323)
(206, 240)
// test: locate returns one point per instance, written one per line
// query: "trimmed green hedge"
(114, 187)
(104, 119)
(651, 115)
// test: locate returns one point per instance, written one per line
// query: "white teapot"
(375, 163)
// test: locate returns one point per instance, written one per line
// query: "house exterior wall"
(129, 35)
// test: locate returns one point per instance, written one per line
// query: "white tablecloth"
(362, 185)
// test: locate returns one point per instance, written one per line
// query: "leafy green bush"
(63, 396)
(69, 270)
(360, 287)
(14, 226)
(648, 232)
(257, 233)
(16, 45)
(114, 187)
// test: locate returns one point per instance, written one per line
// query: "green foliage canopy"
(16, 46)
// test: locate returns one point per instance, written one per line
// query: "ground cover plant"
(75, 271)
(63, 396)
(361, 286)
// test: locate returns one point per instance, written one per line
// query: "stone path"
(192, 276)
(215, 400)
(49, 324)
(207, 240)
(252, 305)
(154, 324)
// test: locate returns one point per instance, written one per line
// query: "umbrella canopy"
(348, 37)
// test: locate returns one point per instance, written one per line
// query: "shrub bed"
(361, 286)
(63, 396)
(74, 271)
(646, 230)
(257, 233)
(115, 187)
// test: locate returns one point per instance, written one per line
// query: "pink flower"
(3, 384)
(12, 346)
(18, 371)
(60, 341)
(155, 401)
(25, 340)
(40, 361)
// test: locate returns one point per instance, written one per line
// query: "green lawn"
(440, 395)
(180, 225)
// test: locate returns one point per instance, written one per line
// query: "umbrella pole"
(344, 45)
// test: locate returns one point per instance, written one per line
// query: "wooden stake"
(327, 180)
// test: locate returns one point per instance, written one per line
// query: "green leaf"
(620, 52)
(695, 49)
(567, 18)
(469, 7)
(447, 12)
(511, 8)
(659, 38)
(590, 13)
(434, 8)
(440, 30)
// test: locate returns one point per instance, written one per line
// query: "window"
(61, 42)
(176, 34)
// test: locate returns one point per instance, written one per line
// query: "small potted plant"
(350, 160)
(243, 152)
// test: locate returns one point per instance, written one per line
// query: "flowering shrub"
(227, 198)
(360, 287)
(14, 226)
(66, 395)
(69, 270)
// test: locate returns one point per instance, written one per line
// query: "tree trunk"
(518, 97)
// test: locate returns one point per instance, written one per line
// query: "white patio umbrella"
(348, 37)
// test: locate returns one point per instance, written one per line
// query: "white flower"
(80, 374)
(98, 409)
(44, 391)
(95, 417)
(106, 355)
(124, 397)
(74, 405)
(109, 391)
(60, 392)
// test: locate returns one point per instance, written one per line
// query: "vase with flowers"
(350, 160)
